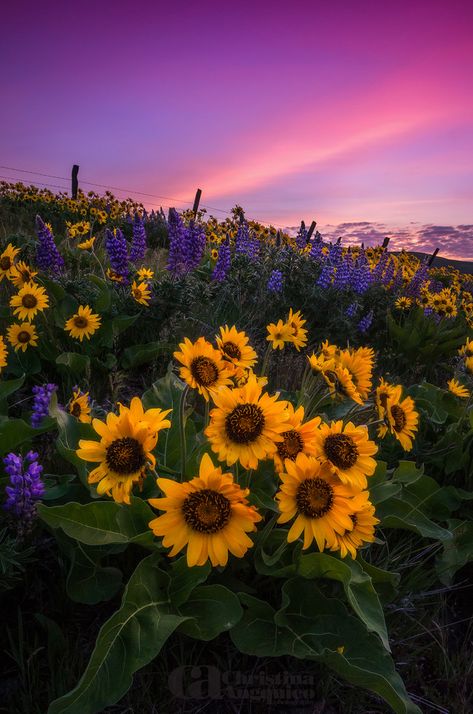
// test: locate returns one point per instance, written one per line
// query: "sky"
(355, 113)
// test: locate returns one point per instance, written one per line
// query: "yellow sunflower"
(364, 522)
(79, 406)
(299, 334)
(235, 348)
(3, 353)
(466, 349)
(279, 334)
(458, 389)
(401, 419)
(214, 253)
(348, 450)
(469, 364)
(87, 244)
(246, 425)
(203, 366)
(28, 301)
(141, 293)
(241, 377)
(359, 364)
(329, 351)
(124, 450)
(320, 504)
(384, 392)
(20, 336)
(7, 261)
(340, 382)
(83, 324)
(210, 514)
(299, 438)
(21, 273)
(403, 303)
(145, 274)
(114, 276)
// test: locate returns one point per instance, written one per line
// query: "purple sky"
(346, 112)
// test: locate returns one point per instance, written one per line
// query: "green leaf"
(211, 609)
(312, 626)
(15, 432)
(123, 322)
(142, 354)
(407, 472)
(457, 552)
(9, 386)
(102, 522)
(131, 638)
(88, 581)
(357, 585)
(185, 579)
(73, 362)
(398, 513)
(104, 298)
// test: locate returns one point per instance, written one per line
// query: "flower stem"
(182, 430)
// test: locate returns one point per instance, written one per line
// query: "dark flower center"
(29, 301)
(399, 416)
(314, 497)
(245, 423)
(206, 511)
(231, 349)
(5, 263)
(204, 371)
(80, 321)
(24, 336)
(341, 450)
(76, 409)
(125, 456)
(354, 519)
(291, 446)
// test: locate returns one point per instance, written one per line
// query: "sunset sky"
(354, 113)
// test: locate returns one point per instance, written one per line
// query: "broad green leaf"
(407, 472)
(131, 638)
(73, 362)
(88, 581)
(142, 354)
(104, 298)
(211, 610)
(457, 552)
(398, 513)
(357, 585)
(9, 386)
(15, 432)
(102, 522)
(123, 322)
(314, 627)
(185, 579)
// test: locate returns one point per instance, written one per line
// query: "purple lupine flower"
(325, 277)
(245, 242)
(418, 279)
(222, 266)
(365, 322)
(398, 281)
(138, 243)
(335, 253)
(317, 245)
(436, 286)
(177, 236)
(48, 258)
(42, 398)
(117, 249)
(194, 244)
(343, 274)
(301, 237)
(361, 275)
(26, 488)
(352, 310)
(377, 274)
(275, 282)
(388, 273)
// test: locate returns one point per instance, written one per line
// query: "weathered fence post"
(386, 242)
(196, 201)
(75, 182)
(311, 230)
(432, 257)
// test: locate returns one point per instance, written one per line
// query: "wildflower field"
(228, 446)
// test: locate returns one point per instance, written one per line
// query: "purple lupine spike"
(388, 273)
(301, 237)
(378, 272)
(275, 282)
(195, 245)
(365, 322)
(343, 274)
(361, 275)
(418, 279)
(245, 242)
(325, 278)
(138, 243)
(222, 266)
(26, 488)
(177, 237)
(335, 254)
(41, 400)
(317, 245)
(117, 249)
(351, 310)
(48, 258)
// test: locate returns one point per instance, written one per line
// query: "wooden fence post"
(75, 182)
(432, 257)
(386, 242)
(311, 230)
(196, 201)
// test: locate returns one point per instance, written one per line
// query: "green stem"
(182, 430)
(267, 355)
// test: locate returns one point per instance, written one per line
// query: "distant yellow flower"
(279, 334)
(79, 406)
(87, 244)
(403, 303)
(209, 514)
(145, 274)
(30, 299)
(458, 389)
(116, 277)
(141, 293)
(83, 324)
(299, 334)
(349, 451)
(235, 349)
(214, 253)
(203, 367)
(20, 336)
(3, 353)
(7, 261)
(21, 273)
(401, 419)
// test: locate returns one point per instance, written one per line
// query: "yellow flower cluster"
(81, 228)
(292, 331)
(348, 373)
